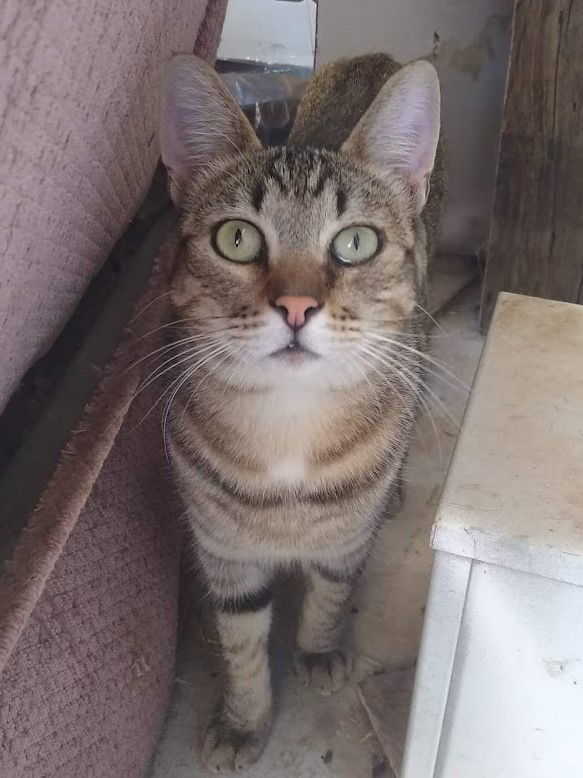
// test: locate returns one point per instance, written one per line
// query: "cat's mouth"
(294, 352)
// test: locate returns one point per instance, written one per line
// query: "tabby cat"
(300, 338)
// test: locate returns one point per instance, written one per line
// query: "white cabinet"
(499, 685)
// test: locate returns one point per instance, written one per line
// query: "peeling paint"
(471, 57)
(555, 667)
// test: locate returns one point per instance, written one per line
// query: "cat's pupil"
(238, 237)
(356, 241)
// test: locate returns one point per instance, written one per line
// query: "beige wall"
(468, 40)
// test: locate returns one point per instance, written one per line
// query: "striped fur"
(289, 462)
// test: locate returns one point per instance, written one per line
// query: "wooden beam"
(536, 235)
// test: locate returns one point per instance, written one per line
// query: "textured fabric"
(88, 685)
(88, 599)
(88, 602)
(79, 87)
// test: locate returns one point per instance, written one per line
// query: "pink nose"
(295, 309)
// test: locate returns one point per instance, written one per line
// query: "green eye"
(238, 241)
(355, 245)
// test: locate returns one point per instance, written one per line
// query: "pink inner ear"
(400, 131)
(195, 118)
(423, 120)
(201, 121)
(173, 148)
(179, 99)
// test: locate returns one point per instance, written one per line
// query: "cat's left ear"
(200, 122)
(399, 133)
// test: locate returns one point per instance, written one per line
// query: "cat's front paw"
(227, 749)
(325, 672)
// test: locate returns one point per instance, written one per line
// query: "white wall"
(270, 31)
(471, 53)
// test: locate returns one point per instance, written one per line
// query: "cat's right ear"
(200, 123)
(399, 133)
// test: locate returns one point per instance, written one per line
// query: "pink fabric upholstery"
(78, 115)
(88, 601)
(87, 686)
(89, 597)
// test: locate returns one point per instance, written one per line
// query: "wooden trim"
(536, 237)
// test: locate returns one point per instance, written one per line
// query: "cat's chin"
(294, 355)
(304, 371)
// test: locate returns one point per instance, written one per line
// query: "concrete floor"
(317, 737)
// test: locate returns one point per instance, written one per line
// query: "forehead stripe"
(275, 175)
(258, 194)
(321, 182)
(340, 200)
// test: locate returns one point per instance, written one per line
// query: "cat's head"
(297, 261)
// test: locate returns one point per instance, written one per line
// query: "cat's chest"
(280, 433)
(287, 471)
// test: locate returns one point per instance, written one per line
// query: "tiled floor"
(316, 737)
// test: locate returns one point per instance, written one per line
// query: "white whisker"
(412, 360)
(430, 317)
(177, 359)
(148, 305)
(169, 388)
(421, 355)
(187, 376)
(170, 346)
(411, 380)
(433, 396)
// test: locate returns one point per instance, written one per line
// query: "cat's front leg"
(323, 659)
(241, 593)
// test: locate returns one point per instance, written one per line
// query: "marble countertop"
(514, 492)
